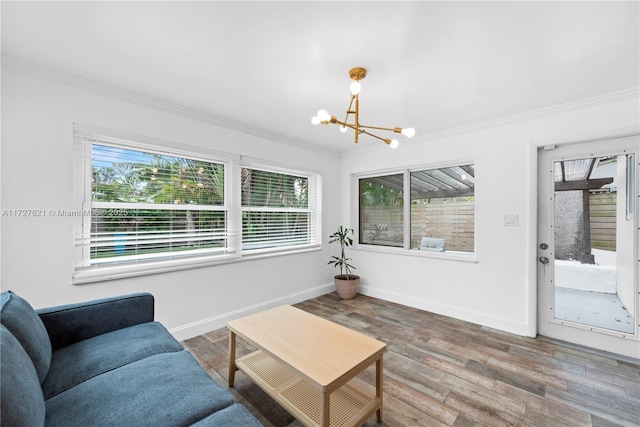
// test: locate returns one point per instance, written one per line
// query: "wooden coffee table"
(307, 364)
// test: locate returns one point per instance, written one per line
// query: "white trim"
(220, 321)
(119, 272)
(10, 63)
(157, 206)
(271, 166)
(480, 318)
(532, 243)
(416, 167)
(126, 140)
(396, 250)
(581, 104)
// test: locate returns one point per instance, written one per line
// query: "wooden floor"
(440, 371)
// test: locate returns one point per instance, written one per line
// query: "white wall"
(37, 118)
(499, 290)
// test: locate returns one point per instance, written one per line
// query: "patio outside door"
(588, 266)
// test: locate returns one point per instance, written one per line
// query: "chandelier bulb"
(408, 132)
(324, 116)
(343, 128)
(315, 120)
(394, 143)
(355, 88)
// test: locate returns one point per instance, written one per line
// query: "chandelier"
(357, 74)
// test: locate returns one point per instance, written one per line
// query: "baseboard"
(220, 321)
(472, 316)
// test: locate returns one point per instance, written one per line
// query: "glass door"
(588, 236)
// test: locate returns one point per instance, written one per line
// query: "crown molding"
(633, 93)
(20, 66)
(61, 77)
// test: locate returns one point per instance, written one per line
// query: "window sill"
(446, 255)
(123, 272)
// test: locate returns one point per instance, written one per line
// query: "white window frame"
(84, 270)
(314, 208)
(406, 249)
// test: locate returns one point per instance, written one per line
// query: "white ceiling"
(270, 66)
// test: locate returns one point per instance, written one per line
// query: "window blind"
(141, 207)
(279, 210)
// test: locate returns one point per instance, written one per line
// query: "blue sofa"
(103, 363)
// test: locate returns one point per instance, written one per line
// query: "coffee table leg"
(232, 358)
(324, 406)
(379, 386)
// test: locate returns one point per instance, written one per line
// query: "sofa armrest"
(68, 324)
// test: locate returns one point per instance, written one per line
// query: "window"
(443, 208)
(440, 210)
(381, 210)
(276, 210)
(144, 208)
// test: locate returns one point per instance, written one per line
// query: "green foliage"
(341, 236)
(146, 180)
(160, 179)
(128, 176)
(267, 189)
(273, 189)
(373, 193)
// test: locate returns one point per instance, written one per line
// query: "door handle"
(544, 260)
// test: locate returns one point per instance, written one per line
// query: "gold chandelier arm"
(338, 122)
(349, 110)
(396, 130)
(359, 130)
(386, 140)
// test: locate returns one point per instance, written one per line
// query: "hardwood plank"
(457, 347)
(400, 414)
(548, 361)
(526, 369)
(476, 409)
(507, 377)
(441, 372)
(623, 414)
(539, 407)
(542, 417)
(460, 372)
(424, 403)
(466, 420)
(485, 396)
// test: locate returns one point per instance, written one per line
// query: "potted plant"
(346, 283)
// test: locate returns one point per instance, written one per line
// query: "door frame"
(615, 342)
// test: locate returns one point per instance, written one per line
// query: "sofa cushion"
(235, 415)
(71, 323)
(24, 323)
(167, 389)
(22, 400)
(78, 362)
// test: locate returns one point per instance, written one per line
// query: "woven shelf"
(350, 405)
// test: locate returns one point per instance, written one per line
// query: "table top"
(324, 352)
